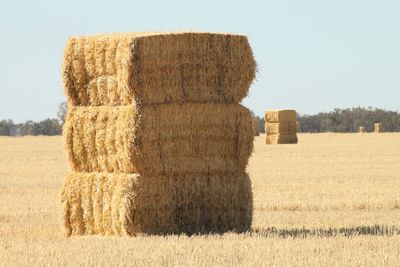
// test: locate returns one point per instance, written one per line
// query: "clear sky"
(312, 55)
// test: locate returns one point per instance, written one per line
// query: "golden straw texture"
(156, 68)
(283, 128)
(280, 115)
(281, 139)
(171, 138)
(126, 204)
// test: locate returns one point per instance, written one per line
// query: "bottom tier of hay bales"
(281, 139)
(170, 138)
(127, 204)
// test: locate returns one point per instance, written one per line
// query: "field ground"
(333, 199)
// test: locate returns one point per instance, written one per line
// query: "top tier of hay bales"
(280, 115)
(157, 68)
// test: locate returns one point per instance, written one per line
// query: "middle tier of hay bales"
(283, 128)
(127, 204)
(161, 139)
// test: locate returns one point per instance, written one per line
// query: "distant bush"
(349, 120)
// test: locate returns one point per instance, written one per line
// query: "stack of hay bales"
(298, 127)
(256, 127)
(156, 139)
(280, 126)
(378, 127)
(361, 129)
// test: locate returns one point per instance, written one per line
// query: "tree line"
(44, 127)
(346, 120)
(338, 120)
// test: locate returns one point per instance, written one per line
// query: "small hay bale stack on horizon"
(156, 139)
(361, 129)
(280, 126)
(256, 127)
(378, 127)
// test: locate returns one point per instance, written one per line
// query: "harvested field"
(336, 203)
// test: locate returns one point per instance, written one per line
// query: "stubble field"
(333, 199)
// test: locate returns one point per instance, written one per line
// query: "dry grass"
(336, 203)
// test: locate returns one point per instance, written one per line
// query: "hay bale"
(281, 139)
(283, 128)
(280, 115)
(378, 127)
(280, 126)
(256, 127)
(298, 126)
(157, 68)
(127, 204)
(361, 129)
(172, 138)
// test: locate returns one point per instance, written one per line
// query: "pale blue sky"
(312, 55)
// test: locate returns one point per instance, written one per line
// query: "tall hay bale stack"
(280, 127)
(298, 126)
(256, 127)
(155, 136)
(361, 129)
(378, 127)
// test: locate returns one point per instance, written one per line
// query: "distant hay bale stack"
(280, 127)
(361, 129)
(256, 127)
(298, 126)
(156, 139)
(378, 127)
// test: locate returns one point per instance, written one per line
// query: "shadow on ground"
(374, 230)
